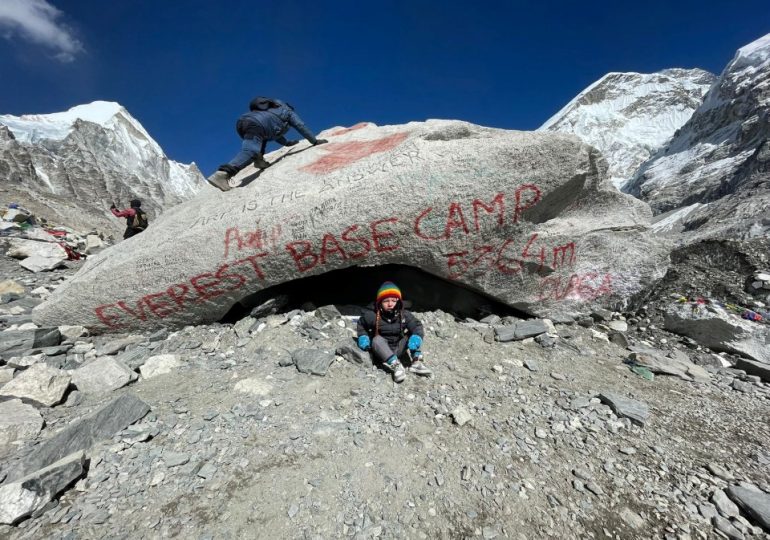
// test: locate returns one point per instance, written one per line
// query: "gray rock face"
(26, 495)
(313, 361)
(18, 421)
(526, 218)
(82, 434)
(102, 375)
(637, 411)
(13, 342)
(715, 167)
(628, 116)
(41, 383)
(65, 165)
(754, 368)
(718, 330)
(754, 502)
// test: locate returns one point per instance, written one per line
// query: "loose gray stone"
(631, 518)
(461, 415)
(26, 361)
(619, 339)
(160, 364)
(328, 313)
(313, 361)
(207, 471)
(24, 496)
(71, 333)
(135, 357)
(253, 386)
(104, 374)
(354, 355)
(82, 434)
(117, 345)
(6, 374)
(752, 367)
(525, 329)
(18, 421)
(755, 503)
(40, 383)
(532, 365)
(505, 333)
(242, 327)
(726, 527)
(175, 459)
(725, 506)
(15, 342)
(637, 411)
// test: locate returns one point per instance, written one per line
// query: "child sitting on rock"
(390, 331)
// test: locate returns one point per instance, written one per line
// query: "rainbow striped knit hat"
(388, 290)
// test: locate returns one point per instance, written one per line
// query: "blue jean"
(250, 149)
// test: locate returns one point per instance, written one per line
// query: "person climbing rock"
(393, 333)
(267, 120)
(136, 218)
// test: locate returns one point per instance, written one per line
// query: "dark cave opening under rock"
(352, 288)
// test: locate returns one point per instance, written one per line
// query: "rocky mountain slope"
(629, 116)
(716, 170)
(273, 426)
(70, 166)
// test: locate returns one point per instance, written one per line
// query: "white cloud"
(36, 21)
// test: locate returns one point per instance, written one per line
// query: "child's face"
(389, 303)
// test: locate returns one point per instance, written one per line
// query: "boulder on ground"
(160, 365)
(104, 374)
(40, 383)
(11, 286)
(18, 421)
(20, 248)
(720, 331)
(21, 498)
(36, 263)
(81, 434)
(15, 342)
(93, 243)
(526, 218)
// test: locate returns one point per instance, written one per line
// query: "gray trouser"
(383, 350)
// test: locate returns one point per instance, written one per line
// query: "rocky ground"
(528, 438)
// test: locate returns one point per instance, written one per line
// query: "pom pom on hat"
(388, 290)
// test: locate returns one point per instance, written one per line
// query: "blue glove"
(364, 343)
(414, 342)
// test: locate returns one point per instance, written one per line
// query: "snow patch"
(666, 222)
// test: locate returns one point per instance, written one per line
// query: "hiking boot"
(419, 368)
(398, 371)
(260, 163)
(220, 180)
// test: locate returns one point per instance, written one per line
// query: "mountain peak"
(56, 126)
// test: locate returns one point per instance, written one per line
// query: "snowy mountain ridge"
(721, 157)
(71, 165)
(628, 116)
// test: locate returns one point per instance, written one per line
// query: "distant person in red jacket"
(136, 219)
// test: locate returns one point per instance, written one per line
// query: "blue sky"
(186, 70)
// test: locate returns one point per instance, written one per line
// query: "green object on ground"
(643, 372)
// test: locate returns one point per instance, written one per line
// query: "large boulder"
(526, 218)
(715, 328)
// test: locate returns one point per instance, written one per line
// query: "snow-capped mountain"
(69, 166)
(629, 116)
(720, 159)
